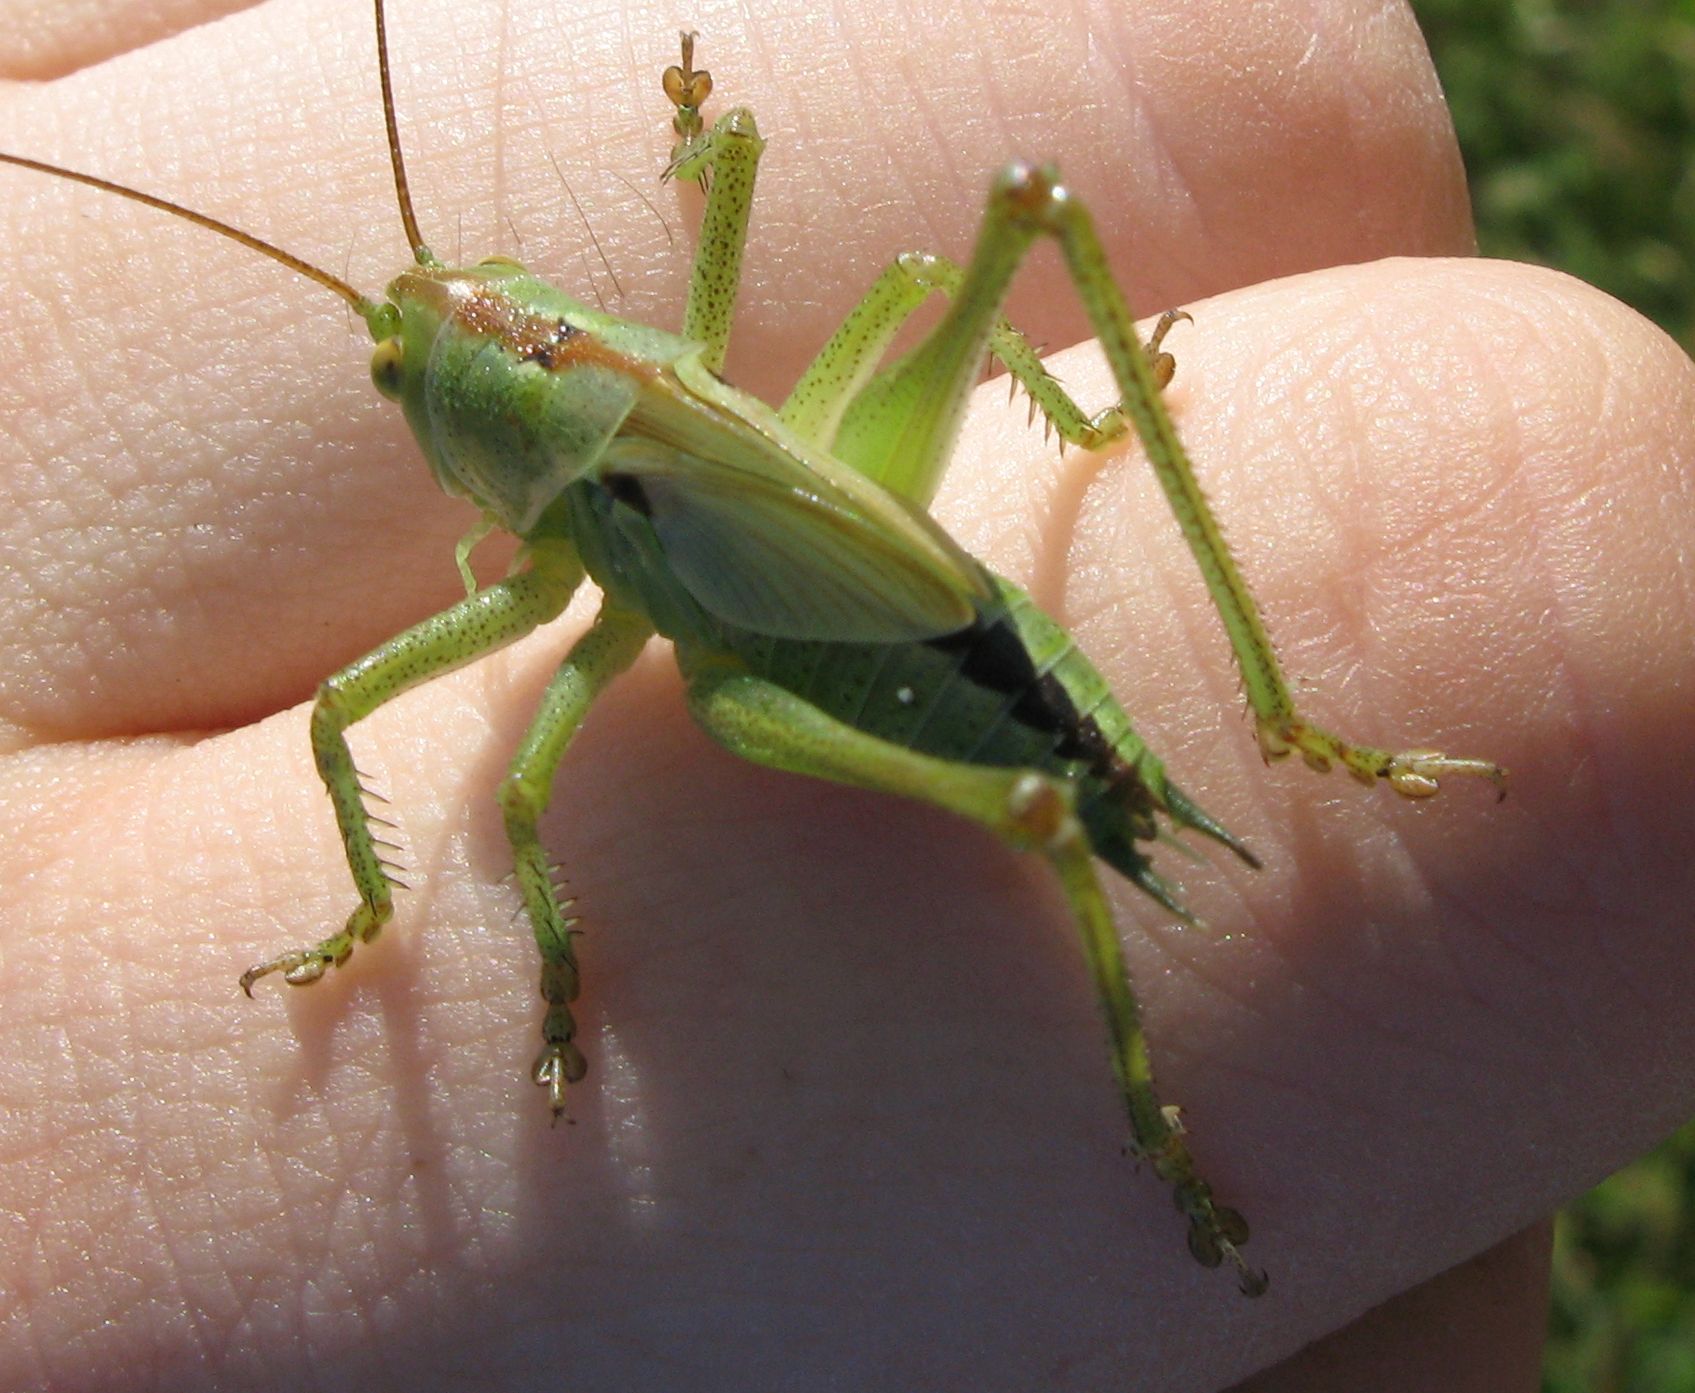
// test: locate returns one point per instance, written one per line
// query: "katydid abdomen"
(1012, 690)
(1009, 689)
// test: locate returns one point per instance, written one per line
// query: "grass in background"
(1623, 1313)
(1578, 125)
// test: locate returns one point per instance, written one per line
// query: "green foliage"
(1578, 125)
(1623, 1313)
(1577, 120)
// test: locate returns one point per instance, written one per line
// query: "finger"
(1476, 1328)
(41, 41)
(1457, 489)
(207, 506)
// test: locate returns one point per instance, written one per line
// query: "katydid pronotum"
(822, 622)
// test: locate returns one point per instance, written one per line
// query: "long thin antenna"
(402, 191)
(658, 217)
(588, 227)
(360, 304)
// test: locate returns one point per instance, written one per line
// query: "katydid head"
(422, 303)
(509, 387)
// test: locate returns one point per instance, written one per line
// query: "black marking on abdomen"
(627, 489)
(992, 655)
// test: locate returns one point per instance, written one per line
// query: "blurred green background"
(1578, 126)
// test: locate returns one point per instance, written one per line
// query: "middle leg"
(607, 649)
(898, 426)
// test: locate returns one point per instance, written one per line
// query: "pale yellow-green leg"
(607, 649)
(901, 426)
(479, 624)
(1031, 810)
(484, 528)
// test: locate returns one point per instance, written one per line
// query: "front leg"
(479, 624)
(725, 162)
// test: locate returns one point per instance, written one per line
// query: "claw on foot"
(1165, 366)
(299, 969)
(688, 87)
(1216, 1231)
(557, 1067)
(1418, 773)
(304, 966)
(1214, 1239)
(1411, 773)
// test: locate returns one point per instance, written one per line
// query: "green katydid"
(822, 622)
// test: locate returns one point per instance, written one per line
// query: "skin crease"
(849, 1119)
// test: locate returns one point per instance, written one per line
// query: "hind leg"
(1033, 811)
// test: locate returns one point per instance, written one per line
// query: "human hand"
(849, 1113)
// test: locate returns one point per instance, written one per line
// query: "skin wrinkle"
(1600, 376)
(156, 1210)
(1177, 185)
(1350, 525)
(1065, 492)
(1170, 941)
(504, 77)
(438, 1223)
(1353, 98)
(1369, 1014)
(1562, 672)
(1293, 945)
(1345, 531)
(1157, 154)
(1501, 1011)
(1447, 913)
(994, 109)
(918, 91)
(1123, 64)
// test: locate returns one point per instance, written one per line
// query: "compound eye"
(388, 363)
